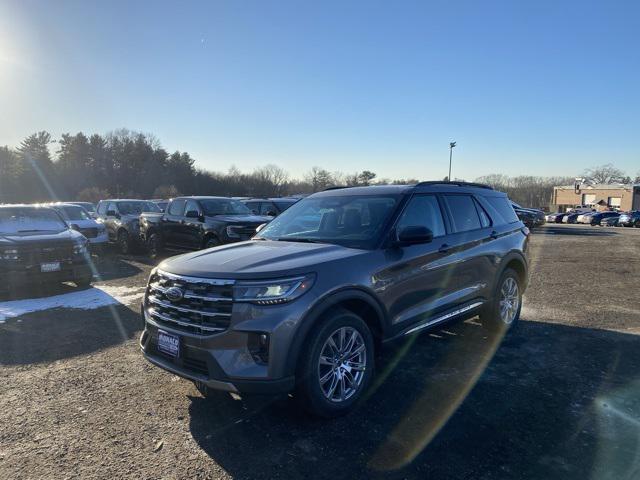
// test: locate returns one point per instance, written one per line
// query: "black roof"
(434, 186)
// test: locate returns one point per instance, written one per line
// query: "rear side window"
(102, 208)
(503, 209)
(464, 214)
(423, 210)
(177, 207)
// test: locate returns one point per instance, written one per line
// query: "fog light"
(10, 254)
(258, 345)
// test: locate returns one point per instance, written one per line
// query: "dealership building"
(615, 196)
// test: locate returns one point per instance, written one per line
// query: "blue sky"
(541, 88)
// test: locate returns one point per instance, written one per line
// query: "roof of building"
(599, 186)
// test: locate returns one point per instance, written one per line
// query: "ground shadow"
(47, 335)
(545, 406)
(578, 230)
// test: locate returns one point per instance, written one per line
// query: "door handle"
(444, 248)
(494, 234)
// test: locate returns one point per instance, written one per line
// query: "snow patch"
(89, 299)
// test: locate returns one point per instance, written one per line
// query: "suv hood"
(257, 259)
(31, 238)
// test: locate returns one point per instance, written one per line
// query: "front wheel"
(123, 242)
(337, 366)
(83, 282)
(504, 309)
(154, 246)
(211, 242)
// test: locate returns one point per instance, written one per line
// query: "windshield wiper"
(297, 239)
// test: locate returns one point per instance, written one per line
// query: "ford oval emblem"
(174, 294)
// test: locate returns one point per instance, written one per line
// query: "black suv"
(271, 207)
(305, 304)
(193, 223)
(36, 245)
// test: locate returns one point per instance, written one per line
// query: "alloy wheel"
(342, 364)
(509, 300)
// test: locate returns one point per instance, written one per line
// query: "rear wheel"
(83, 282)
(506, 305)
(123, 242)
(337, 366)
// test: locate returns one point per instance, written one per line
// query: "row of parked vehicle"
(608, 218)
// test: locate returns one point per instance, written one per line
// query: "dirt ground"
(558, 397)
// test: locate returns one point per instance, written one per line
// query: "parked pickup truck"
(193, 223)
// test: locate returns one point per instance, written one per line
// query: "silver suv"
(305, 305)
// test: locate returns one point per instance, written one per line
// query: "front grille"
(244, 231)
(204, 309)
(89, 232)
(42, 254)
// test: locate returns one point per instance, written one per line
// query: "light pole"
(451, 145)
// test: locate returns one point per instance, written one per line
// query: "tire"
(83, 282)
(154, 246)
(345, 340)
(210, 242)
(123, 242)
(494, 317)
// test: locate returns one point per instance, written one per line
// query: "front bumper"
(223, 361)
(19, 277)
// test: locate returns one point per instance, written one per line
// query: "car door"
(172, 222)
(470, 246)
(191, 233)
(416, 280)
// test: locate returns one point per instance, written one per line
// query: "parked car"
(585, 217)
(122, 219)
(531, 217)
(630, 219)
(193, 223)
(304, 311)
(37, 246)
(597, 217)
(79, 219)
(88, 206)
(571, 217)
(610, 221)
(271, 207)
(555, 217)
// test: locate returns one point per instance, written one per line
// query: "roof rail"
(335, 188)
(457, 184)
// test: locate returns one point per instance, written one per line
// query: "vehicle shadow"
(47, 336)
(580, 230)
(554, 402)
(114, 267)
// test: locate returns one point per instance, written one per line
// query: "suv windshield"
(136, 208)
(24, 220)
(72, 212)
(223, 206)
(351, 221)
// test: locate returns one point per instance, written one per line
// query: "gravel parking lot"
(557, 398)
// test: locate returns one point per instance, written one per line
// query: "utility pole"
(451, 145)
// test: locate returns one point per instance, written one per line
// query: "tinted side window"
(253, 206)
(484, 216)
(463, 213)
(102, 208)
(192, 207)
(177, 207)
(503, 208)
(112, 207)
(268, 208)
(423, 210)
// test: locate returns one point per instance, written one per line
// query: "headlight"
(10, 254)
(272, 292)
(80, 249)
(232, 232)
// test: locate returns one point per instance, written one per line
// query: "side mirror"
(111, 213)
(75, 227)
(414, 234)
(271, 213)
(260, 227)
(192, 214)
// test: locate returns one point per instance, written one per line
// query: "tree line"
(130, 164)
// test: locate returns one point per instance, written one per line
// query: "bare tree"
(319, 178)
(605, 174)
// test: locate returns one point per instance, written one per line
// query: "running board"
(444, 317)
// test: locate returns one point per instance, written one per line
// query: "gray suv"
(305, 305)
